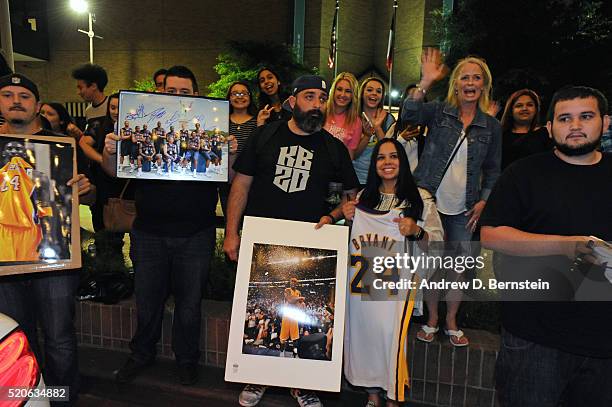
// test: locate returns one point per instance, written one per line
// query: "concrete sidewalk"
(159, 386)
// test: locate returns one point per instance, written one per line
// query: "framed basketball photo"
(172, 137)
(287, 322)
(39, 218)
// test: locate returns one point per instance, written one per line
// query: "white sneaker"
(139, 172)
(194, 174)
(306, 398)
(251, 395)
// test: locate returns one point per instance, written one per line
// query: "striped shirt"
(242, 131)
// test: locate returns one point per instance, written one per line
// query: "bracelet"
(421, 89)
(334, 220)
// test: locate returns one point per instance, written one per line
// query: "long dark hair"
(405, 187)
(264, 99)
(251, 109)
(507, 120)
(64, 116)
(108, 126)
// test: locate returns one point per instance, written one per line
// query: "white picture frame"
(284, 237)
(210, 162)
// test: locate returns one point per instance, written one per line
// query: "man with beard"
(285, 174)
(539, 218)
(45, 298)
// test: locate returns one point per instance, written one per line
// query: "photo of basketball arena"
(171, 137)
(35, 203)
(290, 302)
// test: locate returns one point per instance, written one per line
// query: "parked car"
(21, 381)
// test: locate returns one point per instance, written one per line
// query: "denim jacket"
(443, 130)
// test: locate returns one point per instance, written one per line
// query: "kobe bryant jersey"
(16, 188)
(375, 339)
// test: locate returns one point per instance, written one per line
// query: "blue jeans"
(460, 241)
(163, 266)
(48, 299)
(532, 375)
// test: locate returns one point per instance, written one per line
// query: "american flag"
(391, 43)
(331, 59)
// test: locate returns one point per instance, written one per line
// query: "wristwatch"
(420, 234)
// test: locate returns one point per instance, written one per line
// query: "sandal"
(424, 334)
(454, 337)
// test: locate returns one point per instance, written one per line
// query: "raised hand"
(264, 114)
(432, 67)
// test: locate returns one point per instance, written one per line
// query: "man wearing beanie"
(47, 298)
(284, 173)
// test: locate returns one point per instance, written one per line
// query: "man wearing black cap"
(284, 173)
(47, 298)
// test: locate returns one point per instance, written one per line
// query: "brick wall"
(440, 374)
(142, 36)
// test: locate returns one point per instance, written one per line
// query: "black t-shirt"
(516, 146)
(291, 174)
(174, 208)
(545, 195)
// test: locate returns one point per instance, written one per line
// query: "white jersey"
(375, 339)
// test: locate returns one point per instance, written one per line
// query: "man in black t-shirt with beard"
(555, 350)
(289, 179)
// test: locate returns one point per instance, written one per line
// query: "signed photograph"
(288, 308)
(172, 137)
(39, 222)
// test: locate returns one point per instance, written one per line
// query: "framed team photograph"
(287, 322)
(172, 137)
(39, 217)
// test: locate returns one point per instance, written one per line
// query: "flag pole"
(391, 53)
(337, 37)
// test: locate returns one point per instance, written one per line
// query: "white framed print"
(287, 322)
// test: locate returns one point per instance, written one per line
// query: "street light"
(81, 6)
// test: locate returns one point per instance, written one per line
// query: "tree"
(538, 44)
(243, 59)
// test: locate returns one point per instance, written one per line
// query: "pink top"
(349, 135)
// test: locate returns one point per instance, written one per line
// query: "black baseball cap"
(308, 82)
(16, 79)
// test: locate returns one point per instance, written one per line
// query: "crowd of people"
(434, 171)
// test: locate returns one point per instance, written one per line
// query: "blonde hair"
(352, 113)
(485, 96)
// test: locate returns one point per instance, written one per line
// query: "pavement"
(159, 386)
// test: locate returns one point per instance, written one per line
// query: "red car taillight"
(18, 366)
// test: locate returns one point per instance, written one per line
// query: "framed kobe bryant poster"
(287, 322)
(39, 218)
(172, 137)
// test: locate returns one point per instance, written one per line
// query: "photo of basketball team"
(290, 302)
(172, 137)
(35, 202)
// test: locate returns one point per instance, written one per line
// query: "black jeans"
(163, 266)
(47, 298)
(533, 375)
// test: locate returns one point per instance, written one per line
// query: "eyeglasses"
(239, 94)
